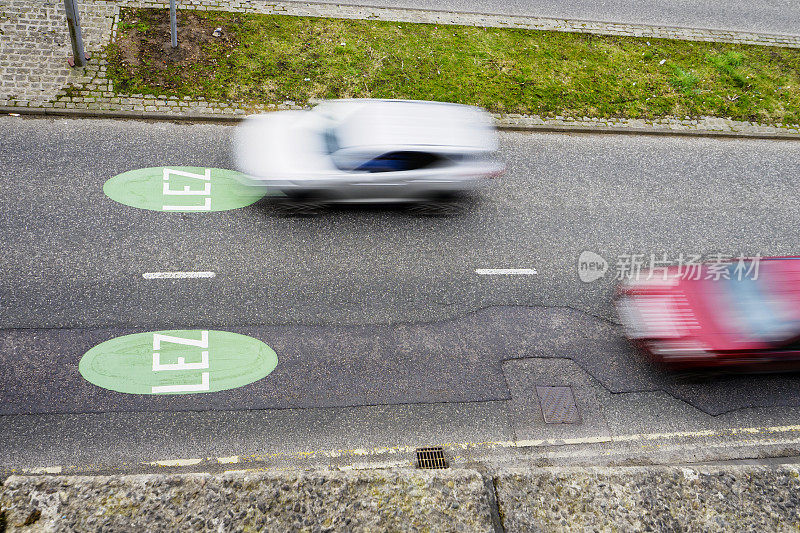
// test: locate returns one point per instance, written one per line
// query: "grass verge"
(262, 59)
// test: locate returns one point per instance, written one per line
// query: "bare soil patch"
(146, 41)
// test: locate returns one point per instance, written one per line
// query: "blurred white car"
(369, 151)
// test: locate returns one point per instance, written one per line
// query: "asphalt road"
(75, 259)
(366, 306)
(768, 16)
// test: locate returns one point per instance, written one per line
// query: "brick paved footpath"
(34, 75)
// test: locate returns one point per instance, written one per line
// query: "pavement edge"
(503, 123)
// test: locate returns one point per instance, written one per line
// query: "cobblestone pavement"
(34, 46)
(34, 75)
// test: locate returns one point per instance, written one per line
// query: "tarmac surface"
(376, 315)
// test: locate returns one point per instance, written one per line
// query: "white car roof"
(409, 124)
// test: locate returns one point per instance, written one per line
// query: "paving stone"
(446, 500)
(718, 499)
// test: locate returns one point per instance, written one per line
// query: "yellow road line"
(644, 438)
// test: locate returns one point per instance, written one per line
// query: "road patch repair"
(177, 362)
(182, 189)
(655, 498)
(487, 353)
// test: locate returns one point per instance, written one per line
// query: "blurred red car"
(740, 314)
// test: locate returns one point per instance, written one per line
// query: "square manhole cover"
(558, 405)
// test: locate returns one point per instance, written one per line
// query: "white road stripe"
(44, 470)
(177, 275)
(176, 462)
(505, 271)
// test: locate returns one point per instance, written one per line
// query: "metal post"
(173, 23)
(74, 23)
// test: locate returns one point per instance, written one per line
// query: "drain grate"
(558, 405)
(431, 457)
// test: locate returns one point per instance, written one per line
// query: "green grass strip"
(266, 59)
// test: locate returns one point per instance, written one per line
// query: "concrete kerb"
(503, 123)
(650, 498)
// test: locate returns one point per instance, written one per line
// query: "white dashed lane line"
(177, 275)
(176, 462)
(505, 271)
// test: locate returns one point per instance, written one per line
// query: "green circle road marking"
(182, 189)
(177, 362)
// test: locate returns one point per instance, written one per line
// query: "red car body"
(703, 321)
